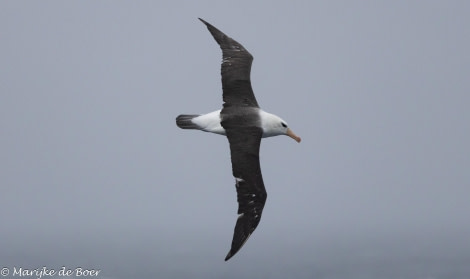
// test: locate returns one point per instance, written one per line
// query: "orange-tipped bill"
(292, 135)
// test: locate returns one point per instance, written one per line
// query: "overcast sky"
(95, 173)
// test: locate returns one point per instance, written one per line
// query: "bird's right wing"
(251, 194)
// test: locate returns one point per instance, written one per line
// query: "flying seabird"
(244, 124)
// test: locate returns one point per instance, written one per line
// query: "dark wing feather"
(251, 194)
(236, 68)
(240, 120)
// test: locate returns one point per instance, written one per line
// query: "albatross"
(244, 124)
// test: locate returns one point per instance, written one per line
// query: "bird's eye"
(283, 124)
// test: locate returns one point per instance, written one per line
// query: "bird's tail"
(184, 121)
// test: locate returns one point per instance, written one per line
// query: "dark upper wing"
(236, 68)
(251, 194)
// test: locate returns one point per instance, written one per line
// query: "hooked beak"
(292, 135)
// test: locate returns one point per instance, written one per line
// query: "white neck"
(271, 124)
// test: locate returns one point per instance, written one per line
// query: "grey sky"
(95, 173)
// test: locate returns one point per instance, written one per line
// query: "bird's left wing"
(236, 68)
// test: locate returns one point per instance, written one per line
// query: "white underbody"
(210, 122)
(270, 123)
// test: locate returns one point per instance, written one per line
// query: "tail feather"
(184, 121)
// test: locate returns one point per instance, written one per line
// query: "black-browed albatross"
(244, 124)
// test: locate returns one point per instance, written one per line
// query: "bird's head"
(273, 125)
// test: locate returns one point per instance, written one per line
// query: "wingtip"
(202, 20)
(229, 255)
